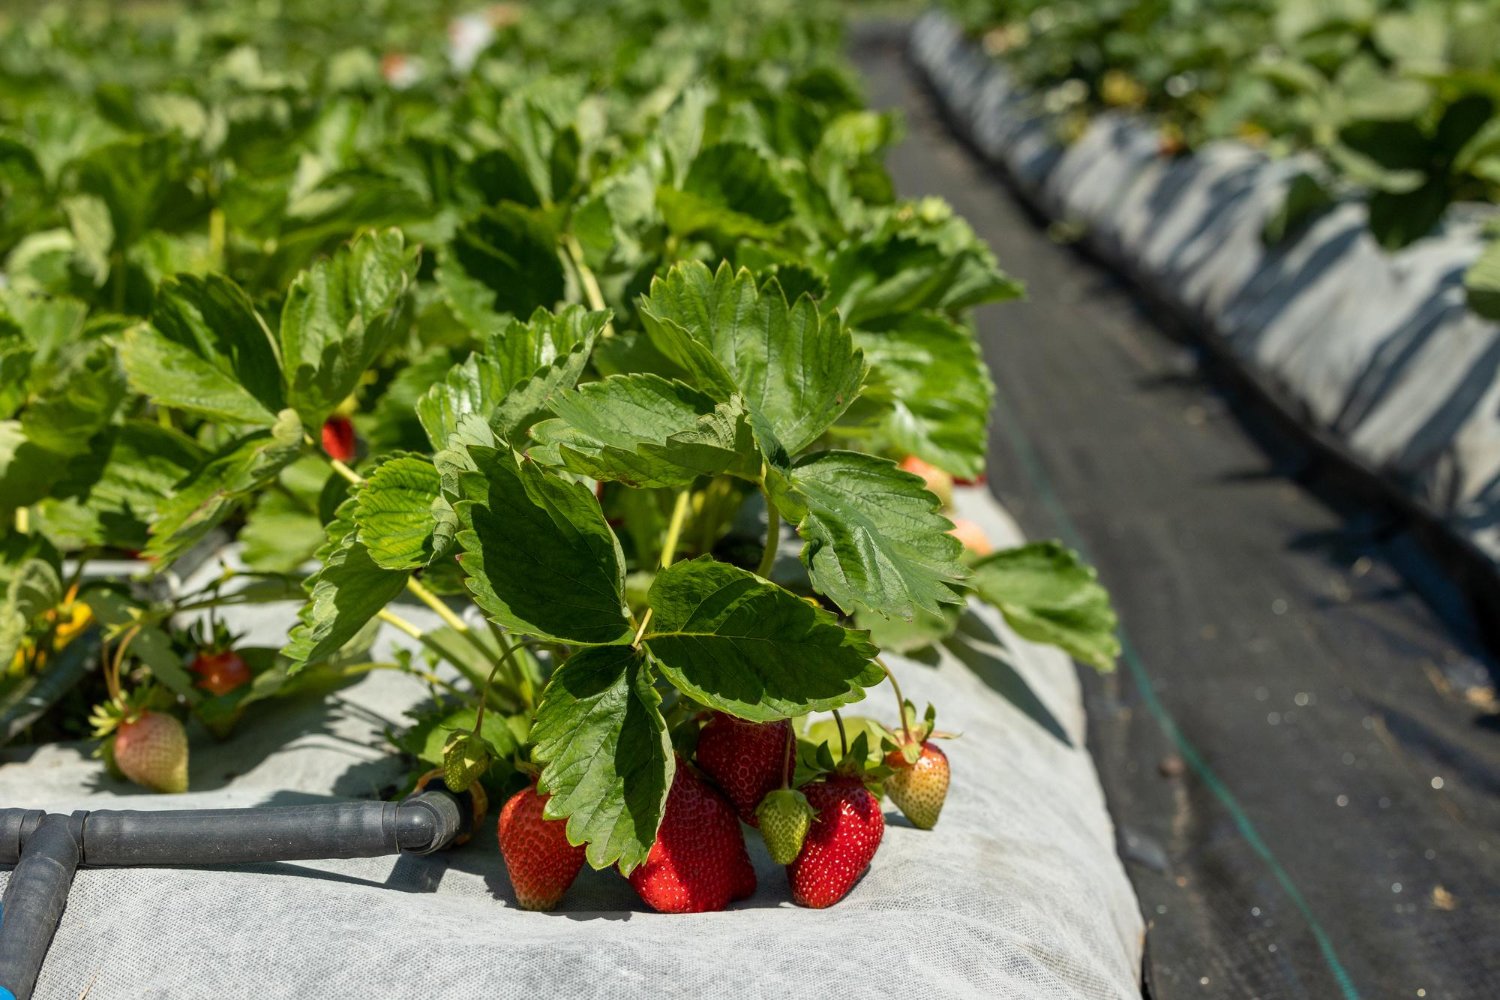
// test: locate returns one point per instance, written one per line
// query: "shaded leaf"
(206, 351)
(347, 591)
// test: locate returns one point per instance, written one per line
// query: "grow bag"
(1018, 893)
(1375, 354)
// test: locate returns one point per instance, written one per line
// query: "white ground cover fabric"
(1017, 895)
(1376, 351)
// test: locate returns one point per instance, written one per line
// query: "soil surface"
(1301, 748)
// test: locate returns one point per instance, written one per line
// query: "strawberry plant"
(602, 344)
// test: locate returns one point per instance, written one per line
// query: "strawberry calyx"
(904, 748)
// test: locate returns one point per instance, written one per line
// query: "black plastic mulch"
(1298, 751)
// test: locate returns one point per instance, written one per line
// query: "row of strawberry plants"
(567, 335)
(1396, 99)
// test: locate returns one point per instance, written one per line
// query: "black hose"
(424, 823)
(48, 849)
(283, 833)
(34, 901)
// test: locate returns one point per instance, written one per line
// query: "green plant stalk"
(354, 478)
(668, 552)
(356, 669)
(586, 279)
(396, 621)
(773, 539)
(900, 698)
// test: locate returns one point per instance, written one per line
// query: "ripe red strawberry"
(152, 751)
(698, 862)
(919, 789)
(785, 818)
(541, 862)
(745, 759)
(338, 438)
(938, 482)
(841, 843)
(220, 672)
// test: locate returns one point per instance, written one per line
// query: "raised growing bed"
(577, 400)
(1375, 353)
(1021, 895)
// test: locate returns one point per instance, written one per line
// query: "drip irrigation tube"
(47, 849)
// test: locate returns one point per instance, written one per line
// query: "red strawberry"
(541, 862)
(840, 844)
(745, 759)
(919, 789)
(220, 672)
(152, 751)
(338, 438)
(698, 862)
(938, 482)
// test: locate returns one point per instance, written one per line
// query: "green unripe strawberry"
(785, 816)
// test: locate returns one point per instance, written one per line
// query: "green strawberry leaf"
(207, 352)
(216, 488)
(539, 556)
(80, 400)
(645, 431)
(607, 758)
(875, 538)
(393, 512)
(730, 189)
(929, 261)
(795, 368)
(1049, 595)
(347, 591)
(114, 501)
(745, 646)
(932, 390)
(339, 315)
(510, 382)
(512, 251)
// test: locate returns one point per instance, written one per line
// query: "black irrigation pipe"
(47, 849)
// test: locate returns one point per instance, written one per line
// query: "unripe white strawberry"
(152, 751)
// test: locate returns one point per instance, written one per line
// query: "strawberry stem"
(786, 763)
(586, 279)
(668, 552)
(838, 720)
(338, 466)
(112, 674)
(900, 699)
(773, 539)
